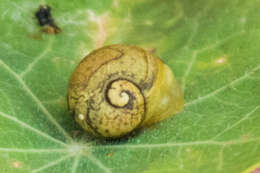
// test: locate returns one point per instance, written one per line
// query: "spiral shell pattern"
(117, 89)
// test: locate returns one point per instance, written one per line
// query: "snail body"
(117, 89)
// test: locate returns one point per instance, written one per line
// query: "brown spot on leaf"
(110, 154)
(17, 164)
(257, 170)
(45, 20)
(246, 137)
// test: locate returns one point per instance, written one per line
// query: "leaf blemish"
(46, 21)
(17, 164)
(115, 3)
(72, 62)
(149, 22)
(257, 170)
(221, 60)
(243, 20)
(246, 137)
(101, 22)
(110, 154)
(188, 150)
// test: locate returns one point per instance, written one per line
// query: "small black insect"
(46, 21)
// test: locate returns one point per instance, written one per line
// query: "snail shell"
(117, 89)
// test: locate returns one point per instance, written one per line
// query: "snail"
(119, 88)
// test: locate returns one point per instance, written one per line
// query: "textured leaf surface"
(212, 47)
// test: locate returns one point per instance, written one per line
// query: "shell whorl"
(112, 90)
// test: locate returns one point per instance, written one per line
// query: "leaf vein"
(187, 72)
(75, 164)
(19, 150)
(181, 144)
(50, 164)
(36, 100)
(237, 123)
(37, 59)
(31, 128)
(211, 94)
(99, 163)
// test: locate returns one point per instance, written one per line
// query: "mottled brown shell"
(118, 88)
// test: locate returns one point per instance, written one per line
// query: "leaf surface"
(211, 46)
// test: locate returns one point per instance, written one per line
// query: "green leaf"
(212, 47)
